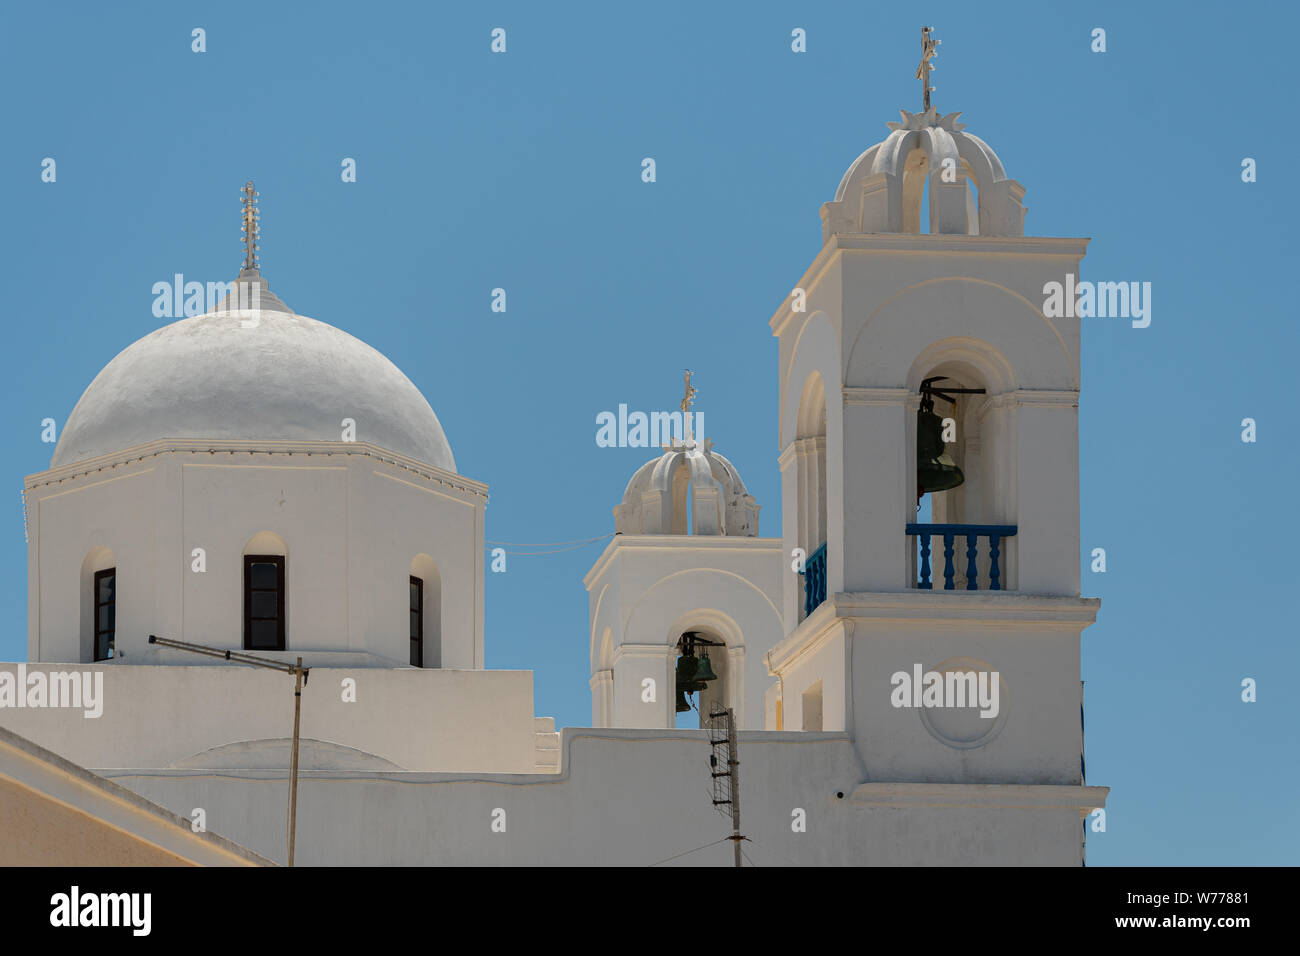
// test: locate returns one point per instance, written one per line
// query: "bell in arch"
(704, 671)
(935, 469)
(687, 666)
(693, 673)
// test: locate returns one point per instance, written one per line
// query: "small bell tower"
(685, 599)
(929, 464)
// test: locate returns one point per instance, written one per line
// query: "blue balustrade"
(814, 580)
(995, 533)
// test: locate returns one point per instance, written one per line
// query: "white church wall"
(819, 665)
(638, 797)
(394, 519)
(350, 526)
(109, 510)
(227, 503)
(1032, 644)
(418, 719)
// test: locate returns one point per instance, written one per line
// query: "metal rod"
(293, 767)
(300, 677)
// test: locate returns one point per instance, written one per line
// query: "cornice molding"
(981, 796)
(302, 449)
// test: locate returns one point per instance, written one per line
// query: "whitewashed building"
(256, 480)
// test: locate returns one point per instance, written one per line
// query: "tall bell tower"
(927, 291)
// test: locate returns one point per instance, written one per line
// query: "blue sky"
(522, 171)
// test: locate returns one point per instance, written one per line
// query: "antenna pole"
(301, 675)
(293, 766)
(733, 764)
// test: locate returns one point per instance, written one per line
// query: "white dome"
(244, 375)
(655, 499)
(881, 191)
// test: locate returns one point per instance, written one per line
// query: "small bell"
(683, 705)
(704, 671)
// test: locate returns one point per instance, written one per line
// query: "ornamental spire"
(250, 229)
(928, 53)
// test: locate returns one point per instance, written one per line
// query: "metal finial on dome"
(688, 442)
(928, 53)
(251, 229)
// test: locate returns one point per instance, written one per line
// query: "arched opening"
(681, 523)
(602, 682)
(425, 618)
(966, 532)
(810, 447)
(916, 212)
(98, 606)
(922, 179)
(703, 644)
(266, 593)
(954, 402)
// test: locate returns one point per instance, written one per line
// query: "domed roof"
(881, 191)
(655, 499)
(251, 375)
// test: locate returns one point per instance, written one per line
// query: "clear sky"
(523, 171)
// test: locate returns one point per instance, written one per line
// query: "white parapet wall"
(637, 798)
(230, 715)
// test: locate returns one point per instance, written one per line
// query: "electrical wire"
(689, 852)
(548, 544)
(570, 546)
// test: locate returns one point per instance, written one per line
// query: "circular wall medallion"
(963, 728)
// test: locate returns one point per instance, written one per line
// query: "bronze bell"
(704, 671)
(683, 705)
(686, 669)
(935, 469)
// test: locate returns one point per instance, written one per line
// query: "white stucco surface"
(636, 798)
(251, 375)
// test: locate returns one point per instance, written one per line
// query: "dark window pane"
(264, 635)
(415, 654)
(106, 588)
(415, 626)
(415, 594)
(265, 603)
(263, 575)
(105, 618)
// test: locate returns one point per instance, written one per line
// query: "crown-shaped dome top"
(655, 501)
(970, 194)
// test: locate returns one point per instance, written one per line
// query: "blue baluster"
(972, 541)
(947, 561)
(926, 583)
(994, 573)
